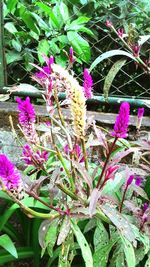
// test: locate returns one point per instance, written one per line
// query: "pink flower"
(76, 151)
(46, 70)
(71, 56)
(43, 73)
(27, 112)
(136, 50)
(27, 118)
(109, 23)
(88, 83)
(110, 172)
(120, 32)
(34, 158)
(122, 121)
(9, 174)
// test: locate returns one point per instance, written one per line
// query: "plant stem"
(60, 157)
(58, 107)
(84, 153)
(123, 198)
(106, 162)
(61, 212)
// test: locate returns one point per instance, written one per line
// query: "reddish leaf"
(93, 201)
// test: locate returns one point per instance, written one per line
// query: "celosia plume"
(122, 121)
(27, 118)
(87, 84)
(9, 175)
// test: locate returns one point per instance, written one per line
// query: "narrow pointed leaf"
(7, 244)
(109, 54)
(111, 75)
(86, 251)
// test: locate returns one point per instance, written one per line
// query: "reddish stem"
(106, 162)
(123, 198)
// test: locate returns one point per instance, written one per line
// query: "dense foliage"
(84, 194)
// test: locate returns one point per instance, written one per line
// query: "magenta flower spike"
(122, 121)
(87, 84)
(9, 174)
(130, 180)
(71, 56)
(139, 117)
(27, 118)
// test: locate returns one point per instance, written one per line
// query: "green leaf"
(64, 12)
(129, 252)
(28, 19)
(23, 253)
(80, 45)
(48, 235)
(43, 48)
(7, 214)
(16, 45)
(109, 54)
(120, 222)
(47, 9)
(64, 230)
(86, 252)
(7, 244)
(102, 253)
(111, 75)
(9, 26)
(147, 264)
(11, 4)
(147, 186)
(80, 20)
(12, 56)
(101, 238)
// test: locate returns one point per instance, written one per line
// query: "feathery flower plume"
(139, 117)
(78, 109)
(122, 121)
(71, 56)
(34, 158)
(9, 174)
(27, 119)
(87, 84)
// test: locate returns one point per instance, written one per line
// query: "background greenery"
(51, 27)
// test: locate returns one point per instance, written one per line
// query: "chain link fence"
(131, 80)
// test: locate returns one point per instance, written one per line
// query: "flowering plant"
(78, 175)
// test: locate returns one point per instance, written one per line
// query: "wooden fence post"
(2, 52)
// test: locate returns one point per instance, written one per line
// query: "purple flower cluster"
(46, 70)
(87, 84)
(9, 175)
(34, 158)
(122, 121)
(27, 118)
(27, 113)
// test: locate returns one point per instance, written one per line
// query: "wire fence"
(131, 80)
